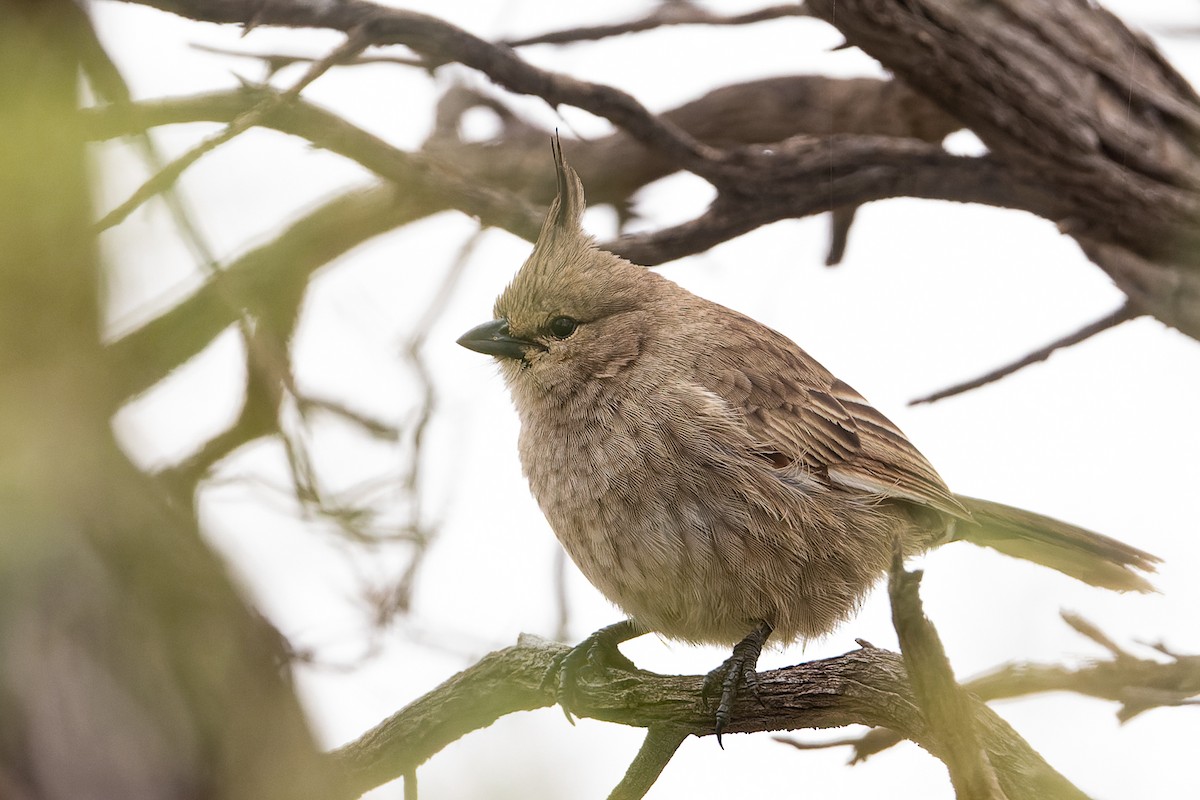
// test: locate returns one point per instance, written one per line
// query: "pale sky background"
(1104, 435)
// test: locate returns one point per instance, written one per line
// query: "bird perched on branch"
(709, 476)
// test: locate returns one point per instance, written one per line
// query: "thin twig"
(277, 61)
(1137, 684)
(1089, 629)
(1123, 314)
(669, 13)
(397, 598)
(355, 43)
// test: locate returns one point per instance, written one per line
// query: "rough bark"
(867, 686)
(1063, 87)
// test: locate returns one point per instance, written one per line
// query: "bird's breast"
(663, 505)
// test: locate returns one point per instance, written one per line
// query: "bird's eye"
(562, 327)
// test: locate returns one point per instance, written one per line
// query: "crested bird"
(711, 478)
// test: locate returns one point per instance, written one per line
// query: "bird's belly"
(683, 571)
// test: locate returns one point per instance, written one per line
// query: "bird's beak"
(492, 338)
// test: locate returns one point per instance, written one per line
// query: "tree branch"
(1123, 314)
(168, 175)
(1065, 89)
(1108, 151)
(680, 12)
(866, 686)
(1137, 684)
(945, 704)
(442, 42)
(662, 741)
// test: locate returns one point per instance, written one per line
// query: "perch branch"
(866, 686)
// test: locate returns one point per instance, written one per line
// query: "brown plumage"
(709, 476)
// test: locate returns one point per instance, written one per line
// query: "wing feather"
(802, 414)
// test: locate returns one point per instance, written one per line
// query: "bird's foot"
(738, 672)
(598, 652)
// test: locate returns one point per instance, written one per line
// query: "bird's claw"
(598, 653)
(738, 672)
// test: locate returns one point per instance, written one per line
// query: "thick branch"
(1066, 90)
(945, 704)
(762, 111)
(863, 168)
(866, 686)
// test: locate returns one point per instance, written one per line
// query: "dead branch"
(763, 111)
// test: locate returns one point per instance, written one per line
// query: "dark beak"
(492, 338)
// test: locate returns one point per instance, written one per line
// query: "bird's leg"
(739, 670)
(598, 651)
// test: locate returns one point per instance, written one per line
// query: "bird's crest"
(566, 211)
(562, 248)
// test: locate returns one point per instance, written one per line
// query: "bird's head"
(573, 313)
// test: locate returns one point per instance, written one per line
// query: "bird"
(710, 477)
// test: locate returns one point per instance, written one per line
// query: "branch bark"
(1138, 684)
(1064, 88)
(867, 686)
(1089, 126)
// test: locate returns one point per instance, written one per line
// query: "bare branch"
(946, 707)
(1078, 97)
(168, 175)
(1123, 314)
(277, 61)
(658, 748)
(167, 341)
(442, 42)
(862, 168)
(1124, 164)
(866, 686)
(1138, 684)
(680, 12)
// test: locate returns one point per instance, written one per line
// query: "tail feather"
(1079, 553)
